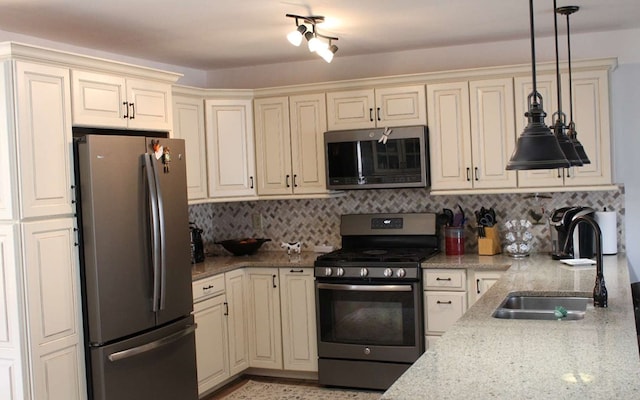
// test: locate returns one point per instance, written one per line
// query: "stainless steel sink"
(541, 307)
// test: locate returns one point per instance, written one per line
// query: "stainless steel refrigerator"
(136, 271)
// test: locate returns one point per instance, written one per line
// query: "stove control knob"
(388, 272)
(364, 272)
(400, 273)
(367, 351)
(328, 271)
(340, 271)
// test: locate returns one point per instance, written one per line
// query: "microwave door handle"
(155, 231)
(359, 152)
(162, 236)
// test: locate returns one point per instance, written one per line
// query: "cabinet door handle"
(371, 114)
(478, 286)
(126, 109)
(299, 271)
(443, 302)
(226, 308)
(559, 174)
(273, 280)
(468, 172)
(378, 112)
(443, 279)
(286, 179)
(294, 180)
(475, 172)
(133, 111)
(251, 178)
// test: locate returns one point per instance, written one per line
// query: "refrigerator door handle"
(155, 243)
(162, 232)
(134, 351)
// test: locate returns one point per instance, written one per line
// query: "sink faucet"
(599, 290)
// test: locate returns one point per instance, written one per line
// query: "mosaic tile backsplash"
(317, 221)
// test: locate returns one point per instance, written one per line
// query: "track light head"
(327, 54)
(295, 37)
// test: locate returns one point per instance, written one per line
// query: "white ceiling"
(213, 34)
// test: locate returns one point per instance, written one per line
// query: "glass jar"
(518, 238)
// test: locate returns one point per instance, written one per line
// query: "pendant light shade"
(571, 129)
(537, 147)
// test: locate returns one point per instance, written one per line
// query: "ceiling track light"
(317, 43)
(571, 132)
(537, 147)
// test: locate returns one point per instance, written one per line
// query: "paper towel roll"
(609, 228)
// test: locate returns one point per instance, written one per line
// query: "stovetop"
(379, 255)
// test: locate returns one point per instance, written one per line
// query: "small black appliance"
(581, 244)
(197, 245)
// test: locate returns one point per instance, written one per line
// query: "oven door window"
(367, 314)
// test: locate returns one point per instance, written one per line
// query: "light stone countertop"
(482, 357)
(218, 264)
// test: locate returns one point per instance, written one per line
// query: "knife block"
(490, 244)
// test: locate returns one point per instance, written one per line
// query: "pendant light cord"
(570, 81)
(533, 53)
(555, 27)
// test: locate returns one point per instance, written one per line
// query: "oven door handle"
(366, 288)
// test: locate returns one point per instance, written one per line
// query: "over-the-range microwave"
(377, 158)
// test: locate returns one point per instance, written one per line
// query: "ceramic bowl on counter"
(242, 247)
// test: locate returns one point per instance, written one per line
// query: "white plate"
(579, 261)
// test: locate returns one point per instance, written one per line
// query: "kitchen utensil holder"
(490, 244)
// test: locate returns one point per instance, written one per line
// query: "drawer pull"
(443, 302)
(443, 279)
(296, 270)
(207, 287)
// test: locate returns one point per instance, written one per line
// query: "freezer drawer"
(158, 365)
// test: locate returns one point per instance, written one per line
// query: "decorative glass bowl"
(517, 238)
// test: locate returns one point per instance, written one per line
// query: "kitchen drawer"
(443, 309)
(445, 279)
(208, 287)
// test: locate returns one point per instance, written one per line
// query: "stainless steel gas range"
(369, 299)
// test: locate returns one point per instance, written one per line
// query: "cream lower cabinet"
(481, 281)
(114, 101)
(53, 304)
(290, 144)
(230, 148)
(188, 124)
(219, 312)
(281, 315)
(380, 107)
(471, 134)
(445, 301)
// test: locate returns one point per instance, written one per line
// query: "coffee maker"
(582, 242)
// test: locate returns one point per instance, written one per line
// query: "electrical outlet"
(257, 222)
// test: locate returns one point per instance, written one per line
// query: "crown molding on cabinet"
(27, 52)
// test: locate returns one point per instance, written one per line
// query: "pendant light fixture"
(573, 135)
(537, 147)
(560, 118)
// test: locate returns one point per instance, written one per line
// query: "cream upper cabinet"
(53, 300)
(273, 146)
(471, 134)
(299, 344)
(230, 148)
(113, 101)
(188, 124)
(290, 144)
(591, 116)
(44, 139)
(8, 196)
(381, 107)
